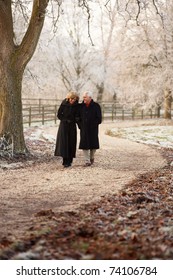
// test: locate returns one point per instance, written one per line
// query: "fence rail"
(112, 112)
(39, 102)
(40, 114)
(43, 111)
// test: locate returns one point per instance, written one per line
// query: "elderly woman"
(67, 132)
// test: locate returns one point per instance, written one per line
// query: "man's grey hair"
(88, 93)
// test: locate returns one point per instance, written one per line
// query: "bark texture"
(167, 104)
(13, 60)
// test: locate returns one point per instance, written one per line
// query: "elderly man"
(90, 117)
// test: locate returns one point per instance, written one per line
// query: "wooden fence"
(43, 114)
(42, 111)
(112, 112)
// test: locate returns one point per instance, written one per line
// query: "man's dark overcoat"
(67, 132)
(90, 118)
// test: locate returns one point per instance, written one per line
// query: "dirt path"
(26, 191)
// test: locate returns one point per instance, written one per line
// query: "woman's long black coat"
(90, 118)
(67, 132)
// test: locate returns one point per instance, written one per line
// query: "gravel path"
(26, 191)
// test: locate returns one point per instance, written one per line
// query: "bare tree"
(74, 57)
(13, 60)
(108, 25)
(145, 76)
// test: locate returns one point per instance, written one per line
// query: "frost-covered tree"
(87, 61)
(145, 77)
(74, 58)
(107, 25)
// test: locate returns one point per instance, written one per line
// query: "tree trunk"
(13, 60)
(100, 88)
(11, 121)
(167, 104)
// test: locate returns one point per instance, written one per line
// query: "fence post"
(123, 115)
(112, 112)
(39, 104)
(42, 115)
(115, 112)
(133, 114)
(158, 111)
(55, 113)
(151, 115)
(29, 121)
(103, 111)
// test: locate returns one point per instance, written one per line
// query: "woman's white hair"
(88, 93)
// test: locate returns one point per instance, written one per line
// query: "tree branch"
(84, 3)
(30, 40)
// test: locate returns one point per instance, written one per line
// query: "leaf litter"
(135, 223)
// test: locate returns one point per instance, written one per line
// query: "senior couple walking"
(87, 116)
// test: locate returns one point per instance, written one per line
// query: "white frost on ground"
(151, 132)
(40, 133)
(152, 135)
